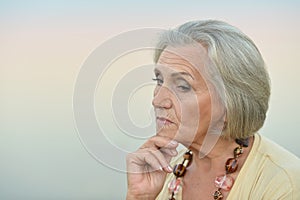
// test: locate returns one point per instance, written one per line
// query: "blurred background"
(43, 45)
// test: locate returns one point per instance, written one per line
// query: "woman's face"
(182, 101)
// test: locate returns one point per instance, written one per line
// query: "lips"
(162, 121)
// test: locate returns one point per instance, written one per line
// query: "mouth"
(162, 121)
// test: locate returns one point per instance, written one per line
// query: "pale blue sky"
(43, 46)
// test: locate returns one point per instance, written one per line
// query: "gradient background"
(42, 47)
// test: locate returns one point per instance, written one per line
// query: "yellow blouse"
(270, 173)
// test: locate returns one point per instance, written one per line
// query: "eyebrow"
(156, 71)
(182, 73)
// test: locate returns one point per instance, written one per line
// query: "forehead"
(187, 58)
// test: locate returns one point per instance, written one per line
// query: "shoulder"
(278, 170)
(276, 154)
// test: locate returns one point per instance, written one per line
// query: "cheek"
(188, 114)
(195, 114)
(205, 108)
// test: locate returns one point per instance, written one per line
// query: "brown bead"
(237, 151)
(218, 195)
(185, 163)
(188, 155)
(231, 165)
(179, 170)
(243, 142)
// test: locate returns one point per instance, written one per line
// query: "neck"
(214, 151)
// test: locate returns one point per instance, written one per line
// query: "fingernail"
(170, 168)
(173, 142)
(160, 168)
(174, 152)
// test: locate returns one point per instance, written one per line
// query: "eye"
(183, 85)
(184, 88)
(158, 78)
(158, 81)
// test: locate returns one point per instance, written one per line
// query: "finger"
(143, 161)
(169, 152)
(161, 158)
(153, 163)
(159, 142)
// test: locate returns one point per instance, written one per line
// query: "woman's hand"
(148, 166)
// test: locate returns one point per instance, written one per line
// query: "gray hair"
(240, 66)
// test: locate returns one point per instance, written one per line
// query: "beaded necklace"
(224, 182)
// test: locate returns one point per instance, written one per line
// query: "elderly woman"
(211, 96)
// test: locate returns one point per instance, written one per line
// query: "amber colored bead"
(218, 195)
(188, 155)
(185, 163)
(179, 170)
(231, 165)
(237, 151)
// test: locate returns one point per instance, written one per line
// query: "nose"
(162, 98)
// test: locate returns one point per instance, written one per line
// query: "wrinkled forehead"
(190, 58)
(193, 56)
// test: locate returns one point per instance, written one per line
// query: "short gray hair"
(240, 65)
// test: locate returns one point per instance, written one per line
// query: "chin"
(164, 132)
